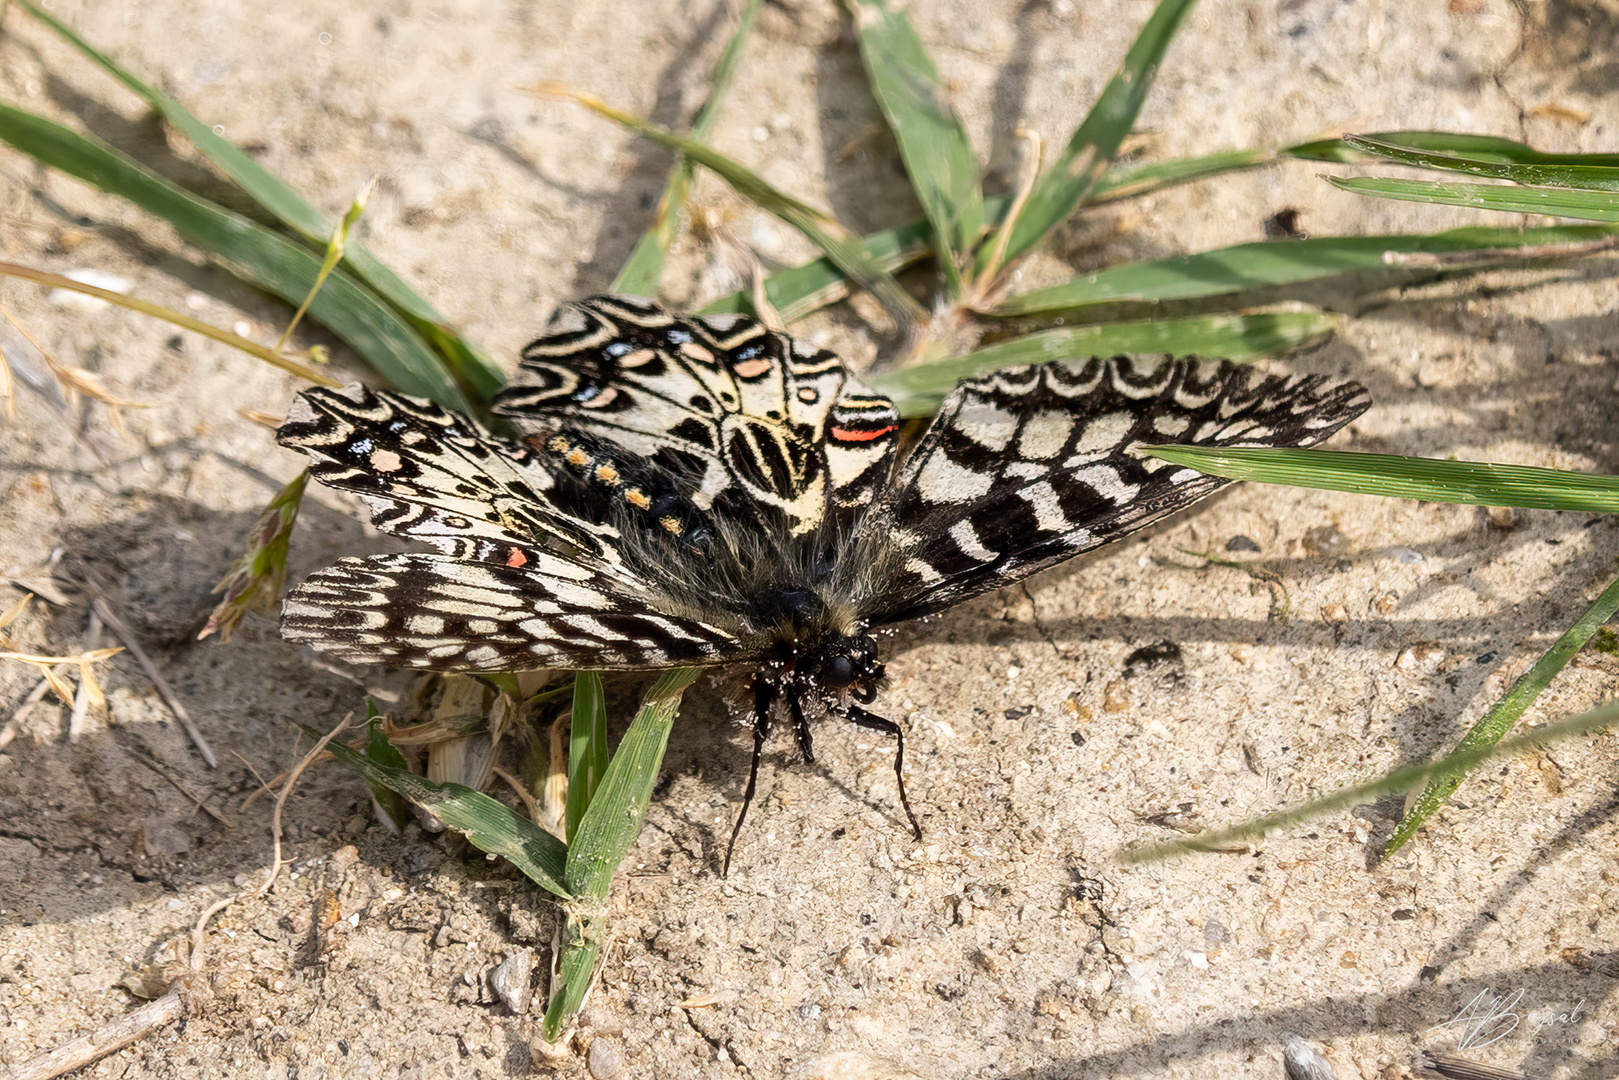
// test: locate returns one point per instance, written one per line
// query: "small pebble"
(1241, 543)
(511, 981)
(1406, 555)
(604, 1058)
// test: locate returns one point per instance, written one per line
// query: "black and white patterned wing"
(433, 475)
(520, 584)
(1031, 465)
(448, 614)
(748, 423)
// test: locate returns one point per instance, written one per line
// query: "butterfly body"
(705, 491)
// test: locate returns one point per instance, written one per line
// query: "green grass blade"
(289, 270)
(1556, 202)
(1274, 263)
(799, 290)
(1587, 176)
(290, 208)
(640, 272)
(847, 252)
(587, 746)
(917, 391)
(613, 819)
(489, 826)
(1480, 147)
(581, 946)
(1403, 779)
(1132, 181)
(1083, 162)
(1503, 714)
(932, 141)
(1473, 483)
(605, 833)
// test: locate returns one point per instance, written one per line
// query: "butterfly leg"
(764, 695)
(861, 718)
(801, 728)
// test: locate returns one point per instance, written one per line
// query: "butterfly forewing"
(1029, 466)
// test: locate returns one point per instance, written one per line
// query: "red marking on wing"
(515, 557)
(843, 434)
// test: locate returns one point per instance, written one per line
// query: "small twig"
(86, 691)
(116, 1035)
(123, 633)
(197, 802)
(281, 801)
(522, 793)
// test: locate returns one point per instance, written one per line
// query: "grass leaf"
(1555, 202)
(843, 249)
(640, 272)
(1474, 483)
(489, 825)
(289, 270)
(1503, 714)
(932, 141)
(587, 746)
(283, 203)
(917, 391)
(1083, 162)
(1591, 171)
(1272, 263)
(1403, 779)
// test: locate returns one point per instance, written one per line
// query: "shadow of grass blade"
(640, 272)
(587, 746)
(1556, 202)
(1598, 172)
(1402, 779)
(489, 825)
(1085, 159)
(932, 141)
(283, 203)
(1473, 483)
(1273, 263)
(917, 391)
(289, 270)
(846, 251)
(1485, 734)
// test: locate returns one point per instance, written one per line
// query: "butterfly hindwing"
(757, 428)
(440, 612)
(1031, 465)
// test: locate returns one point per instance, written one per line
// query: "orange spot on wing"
(515, 557)
(851, 435)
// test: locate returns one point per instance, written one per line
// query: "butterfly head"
(844, 664)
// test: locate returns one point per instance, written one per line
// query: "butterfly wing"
(449, 614)
(520, 583)
(1032, 465)
(749, 424)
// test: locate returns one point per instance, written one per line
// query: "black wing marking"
(747, 422)
(449, 614)
(1031, 465)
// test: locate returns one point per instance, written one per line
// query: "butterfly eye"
(838, 672)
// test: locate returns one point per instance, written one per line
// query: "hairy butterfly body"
(706, 491)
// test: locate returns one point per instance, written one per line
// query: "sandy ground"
(1010, 943)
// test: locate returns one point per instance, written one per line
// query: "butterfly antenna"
(861, 718)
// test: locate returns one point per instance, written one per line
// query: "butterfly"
(705, 491)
